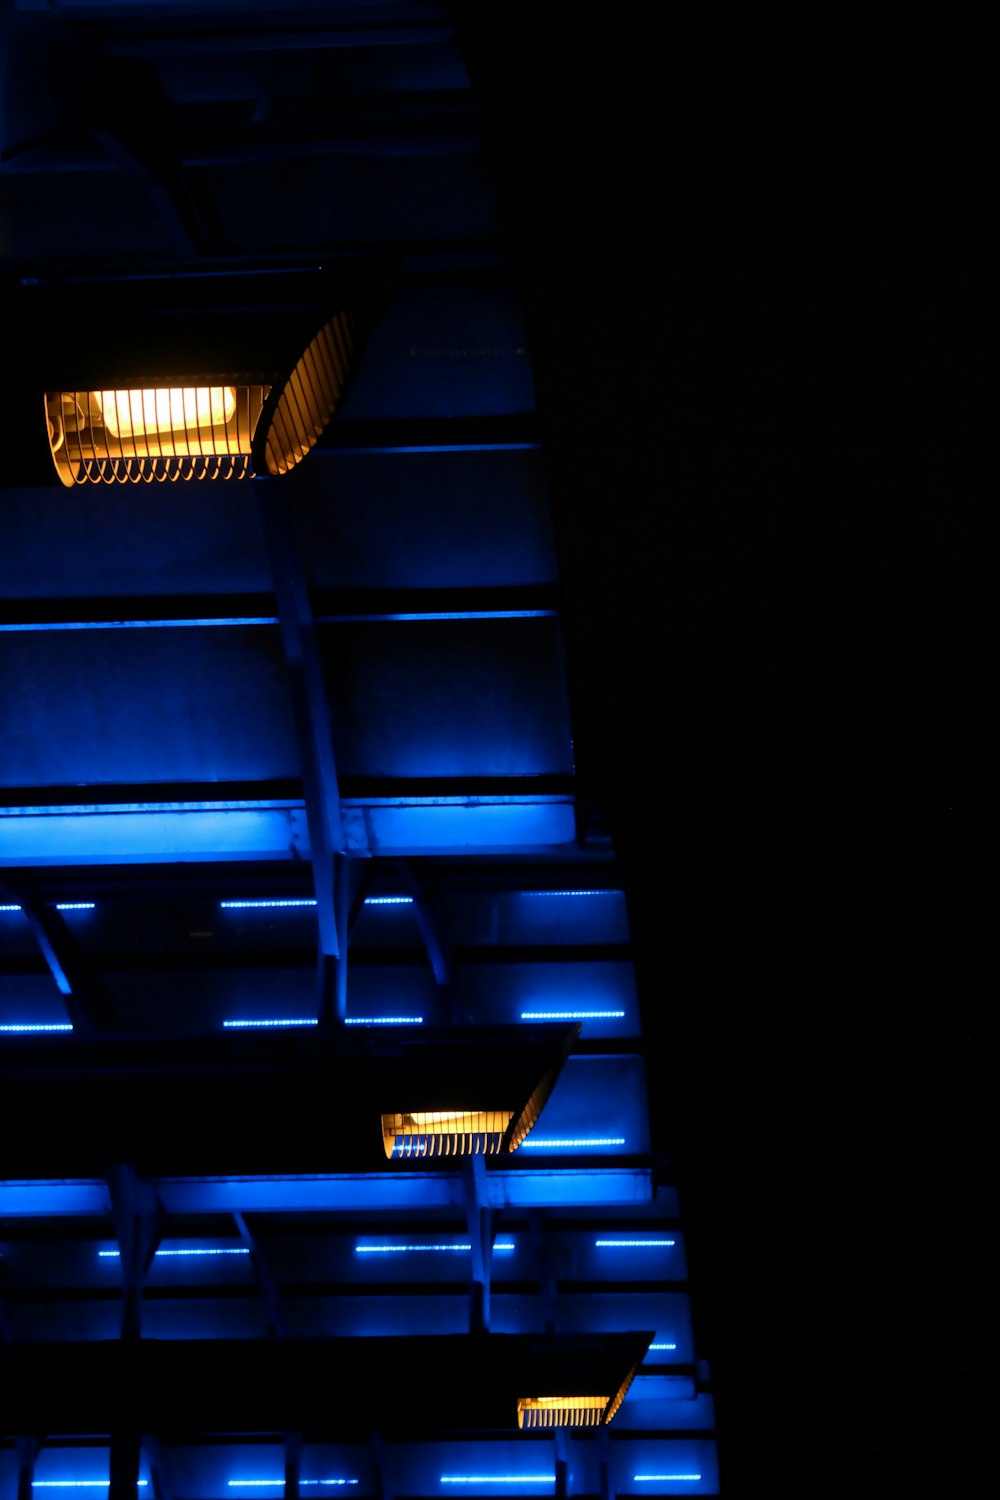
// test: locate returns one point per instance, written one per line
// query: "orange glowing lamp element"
(166, 409)
(562, 1411)
(461, 1132)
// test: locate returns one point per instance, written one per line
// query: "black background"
(750, 247)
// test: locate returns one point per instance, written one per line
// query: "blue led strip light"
(312, 1021)
(384, 1021)
(17, 1026)
(660, 1478)
(571, 893)
(663, 1346)
(75, 1484)
(46, 625)
(572, 1015)
(280, 1483)
(631, 1244)
(114, 1254)
(498, 1479)
(60, 906)
(288, 901)
(554, 1144)
(416, 1249)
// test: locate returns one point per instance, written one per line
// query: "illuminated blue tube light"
(280, 1483)
(275, 1021)
(663, 1346)
(571, 893)
(593, 1140)
(572, 1015)
(60, 906)
(33, 1026)
(384, 1021)
(114, 1254)
(660, 1478)
(75, 1484)
(312, 1021)
(416, 1249)
(498, 1479)
(631, 1244)
(289, 901)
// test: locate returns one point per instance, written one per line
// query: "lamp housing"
(196, 376)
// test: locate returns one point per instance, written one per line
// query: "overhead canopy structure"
(325, 1154)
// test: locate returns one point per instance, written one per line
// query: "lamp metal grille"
(170, 430)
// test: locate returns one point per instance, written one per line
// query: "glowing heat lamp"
(575, 1410)
(166, 409)
(561, 1411)
(446, 1132)
(484, 1103)
(197, 377)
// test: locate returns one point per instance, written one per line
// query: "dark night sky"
(748, 258)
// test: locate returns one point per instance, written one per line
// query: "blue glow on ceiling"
(631, 1244)
(417, 1249)
(582, 1141)
(49, 1026)
(572, 1015)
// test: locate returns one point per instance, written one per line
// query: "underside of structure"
(325, 1158)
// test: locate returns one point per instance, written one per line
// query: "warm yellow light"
(561, 1411)
(452, 1132)
(166, 408)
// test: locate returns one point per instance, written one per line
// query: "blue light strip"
(312, 1021)
(660, 1478)
(572, 893)
(572, 1015)
(552, 1144)
(631, 1244)
(48, 625)
(280, 1483)
(61, 906)
(498, 1479)
(260, 905)
(444, 614)
(416, 1249)
(288, 901)
(114, 1254)
(32, 1026)
(384, 1021)
(274, 1021)
(75, 1484)
(663, 1346)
